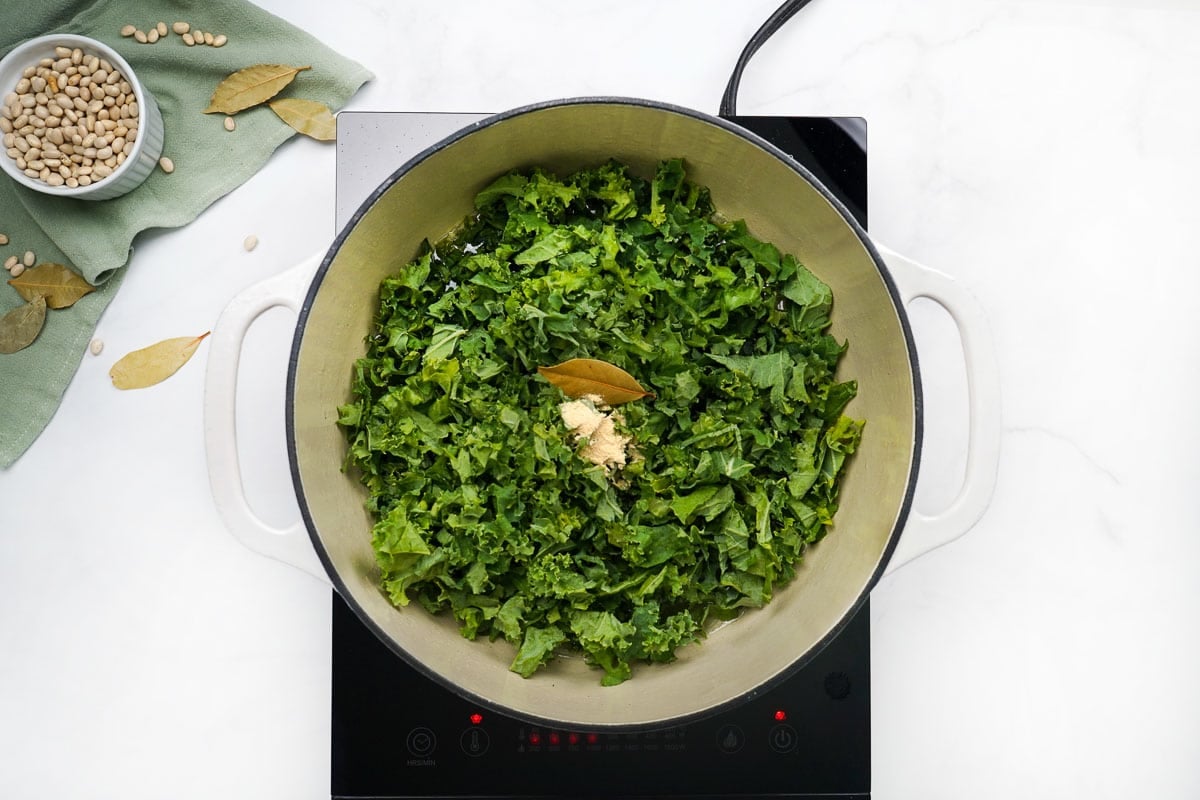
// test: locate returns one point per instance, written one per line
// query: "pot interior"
(780, 204)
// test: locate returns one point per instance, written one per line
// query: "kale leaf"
(483, 506)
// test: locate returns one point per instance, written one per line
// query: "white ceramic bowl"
(147, 147)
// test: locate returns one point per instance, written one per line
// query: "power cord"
(768, 29)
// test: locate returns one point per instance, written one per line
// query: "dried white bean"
(17, 270)
(166, 164)
(29, 258)
(152, 35)
(161, 28)
(181, 27)
(188, 40)
(65, 115)
(230, 124)
(219, 40)
(96, 346)
(141, 37)
(11, 262)
(208, 38)
(250, 243)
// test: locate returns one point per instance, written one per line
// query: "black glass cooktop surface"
(398, 734)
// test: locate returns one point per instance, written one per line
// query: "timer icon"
(421, 742)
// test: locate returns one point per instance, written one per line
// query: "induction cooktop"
(399, 734)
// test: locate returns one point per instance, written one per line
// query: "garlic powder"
(591, 421)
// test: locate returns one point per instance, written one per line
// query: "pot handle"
(290, 545)
(925, 532)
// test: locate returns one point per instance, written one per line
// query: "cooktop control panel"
(394, 730)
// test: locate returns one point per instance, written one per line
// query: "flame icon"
(730, 739)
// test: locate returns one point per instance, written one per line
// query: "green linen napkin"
(96, 237)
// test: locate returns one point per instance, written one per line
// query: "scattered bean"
(141, 36)
(3, 239)
(128, 30)
(229, 124)
(198, 35)
(166, 164)
(181, 27)
(219, 40)
(96, 346)
(161, 28)
(250, 243)
(152, 35)
(208, 38)
(188, 40)
(11, 262)
(17, 270)
(29, 258)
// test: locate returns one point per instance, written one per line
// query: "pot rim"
(893, 292)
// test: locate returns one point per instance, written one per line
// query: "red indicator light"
(592, 738)
(535, 738)
(572, 738)
(476, 718)
(554, 738)
(780, 715)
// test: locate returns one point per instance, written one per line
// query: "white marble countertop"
(1043, 154)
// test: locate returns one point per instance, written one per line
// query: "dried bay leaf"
(580, 377)
(58, 284)
(307, 116)
(19, 327)
(250, 86)
(155, 363)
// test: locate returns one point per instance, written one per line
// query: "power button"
(783, 739)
